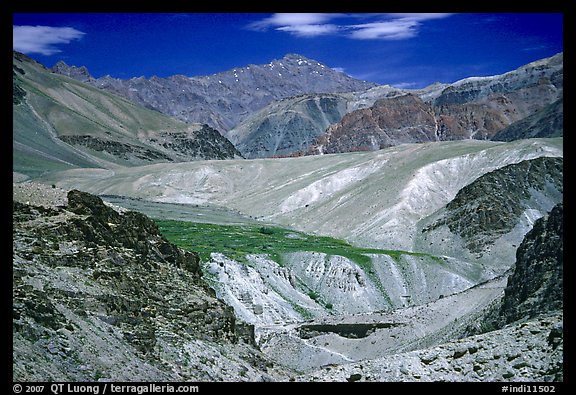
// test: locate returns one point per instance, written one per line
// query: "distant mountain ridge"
(60, 123)
(224, 99)
(298, 106)
(384, 116)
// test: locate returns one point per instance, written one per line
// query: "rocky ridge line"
(224, 99)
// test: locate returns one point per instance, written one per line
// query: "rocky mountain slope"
(403, 119)
(99, 294)
(289, 126)
(476, 107)
(60, 123)
(224, 99)
(547, 122)
(495, 211)
(286, 126)
(536, 286)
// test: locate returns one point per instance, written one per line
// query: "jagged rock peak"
(78, 73)
(300, 60)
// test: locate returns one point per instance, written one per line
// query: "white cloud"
(283, 19)
(339, 69)
(377, 26)
(42, 39)
(389, 30)
(290, 20)
(309, 30)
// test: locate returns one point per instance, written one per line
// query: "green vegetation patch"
(237, 241)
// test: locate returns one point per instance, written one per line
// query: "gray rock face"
(224, 99)
(287, 126)
(100, 294)
(536, 286)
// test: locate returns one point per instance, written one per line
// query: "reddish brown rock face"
(476, 108)
(408, 119)
(389, 122)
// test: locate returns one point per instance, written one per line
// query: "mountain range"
(224, 99)
(305, 226)
(476, 107)
(296, 106)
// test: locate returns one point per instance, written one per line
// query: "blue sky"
(405, 50)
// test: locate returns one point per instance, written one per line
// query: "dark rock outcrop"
(204, 143)
(115, 148)
(102, 294)
(536, 286)
(18, 93)
(492, 205)
(534, 291)
(347, 330)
